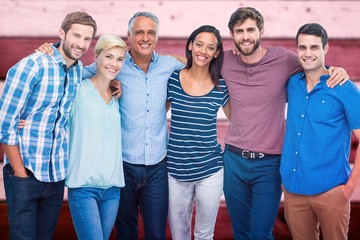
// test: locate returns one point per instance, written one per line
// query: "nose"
(245, 35)
(203, 49)
(145, 37)
(81, 43)
(113, 62)
(307, 52)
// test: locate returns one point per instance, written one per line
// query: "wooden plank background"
(343, 52)
(179, 18)
(25, 24)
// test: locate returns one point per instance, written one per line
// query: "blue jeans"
(93, 211)
(252, 189)
(33, 206)
(146, 188)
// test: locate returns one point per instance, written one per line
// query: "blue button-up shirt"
(317, 139)
(142, 108)
(39, 90)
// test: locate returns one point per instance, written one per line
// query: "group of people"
(116, 157)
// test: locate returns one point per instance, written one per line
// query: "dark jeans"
(146, 188)
(33, 206)
(252, 189)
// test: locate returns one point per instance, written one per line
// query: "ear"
(217, 53)
(190, 46)
(231, 34)
(326, 48)
(128, 36)
(262, 32)
(61, 34)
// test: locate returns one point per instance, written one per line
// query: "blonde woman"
(95, 164)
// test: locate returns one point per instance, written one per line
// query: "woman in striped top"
(194, 159)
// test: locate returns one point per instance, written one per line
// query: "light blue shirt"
(316, 150)
(40, 89)
(142, 108)
(95, 147)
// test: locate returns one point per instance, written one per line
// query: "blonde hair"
(107, 41)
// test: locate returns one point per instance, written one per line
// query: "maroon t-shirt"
(258, 99)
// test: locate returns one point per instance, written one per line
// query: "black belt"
(246, 153)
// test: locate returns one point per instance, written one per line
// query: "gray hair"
(144, 14)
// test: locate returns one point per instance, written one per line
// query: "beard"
(248, 52)
(67, 50)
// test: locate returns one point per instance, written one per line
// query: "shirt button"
(302, 115)
(299, 134)
(296, 152)
(294, 170)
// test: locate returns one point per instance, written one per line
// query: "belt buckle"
(243, 152)
(251, 155)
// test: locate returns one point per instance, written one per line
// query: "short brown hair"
(242, 14)
(82, 18)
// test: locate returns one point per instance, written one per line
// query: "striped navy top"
(193, 149)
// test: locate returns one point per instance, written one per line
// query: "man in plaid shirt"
(41, 89)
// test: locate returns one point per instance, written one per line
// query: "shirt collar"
(58, 58)
(323, 78)
(154, 57)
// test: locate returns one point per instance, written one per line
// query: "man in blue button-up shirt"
(41, 89)
(144, 79)
(317, 178)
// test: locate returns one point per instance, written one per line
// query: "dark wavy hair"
(216, 63)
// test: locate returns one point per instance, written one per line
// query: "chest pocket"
(321, 109)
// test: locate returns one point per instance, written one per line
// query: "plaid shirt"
(39, 90)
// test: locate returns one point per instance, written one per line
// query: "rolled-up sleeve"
(20, 81)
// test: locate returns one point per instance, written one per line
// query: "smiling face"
(204, 49)
(142, 37)
(75, 42)
(109, 62)
(311, 53)
(247, 36)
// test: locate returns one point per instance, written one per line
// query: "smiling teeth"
(78, 50)
(111, 70)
